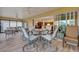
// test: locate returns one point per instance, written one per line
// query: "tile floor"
(15, 44)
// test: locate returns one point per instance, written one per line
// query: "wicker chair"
(71, 36)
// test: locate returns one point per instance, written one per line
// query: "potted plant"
(62, 30)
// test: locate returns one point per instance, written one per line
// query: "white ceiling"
(23, 12)
(32, 11)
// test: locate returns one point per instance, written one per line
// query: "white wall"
(0, 11)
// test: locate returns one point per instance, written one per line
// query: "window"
(71, 20)
(72, 16)
(12, 23)
(63, 21)
(19, 24)
(55, 23)
(25, 25)
(59, 17)
(63, 16)
(4, 25)
(68, 16)
(76, 15)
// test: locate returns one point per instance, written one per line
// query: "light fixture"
(48, 24)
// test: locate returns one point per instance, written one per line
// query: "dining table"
(43, 34)
(42, 40)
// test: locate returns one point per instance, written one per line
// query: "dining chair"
(49, 38)
(29, 39)
(8, 33)
(52, 36)
(71, 37)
